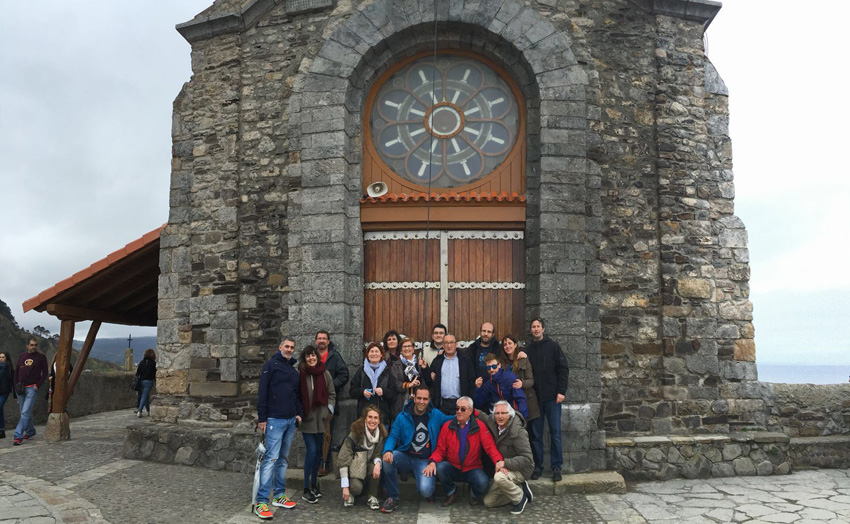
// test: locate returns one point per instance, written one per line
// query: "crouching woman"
(359, 458)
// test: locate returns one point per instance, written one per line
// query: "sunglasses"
(461, 409)
(493, 366)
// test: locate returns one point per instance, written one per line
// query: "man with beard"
(484, 344)
(411, 441)
(335, 365)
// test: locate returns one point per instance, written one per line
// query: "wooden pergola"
(121, 288)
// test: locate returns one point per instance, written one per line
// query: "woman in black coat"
(147, 374)
(7, 387)
(373, 383)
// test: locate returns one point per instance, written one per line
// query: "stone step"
(583, 483)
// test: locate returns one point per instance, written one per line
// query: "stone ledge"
(820, 452)
(586, 483)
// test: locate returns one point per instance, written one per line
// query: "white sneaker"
(348, 502)
(373, 503)
(139, 414)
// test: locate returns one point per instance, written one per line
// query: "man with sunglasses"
(498, 386)
(457, 456)
(30, 374)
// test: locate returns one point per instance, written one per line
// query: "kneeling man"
(457, 456)
(412, 440)
(509, 483)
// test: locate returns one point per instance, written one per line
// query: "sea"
(803, 374)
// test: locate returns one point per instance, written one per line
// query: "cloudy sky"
(85, 114)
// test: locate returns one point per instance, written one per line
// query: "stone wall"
(700, 456)
(94, 393)
(807, 410)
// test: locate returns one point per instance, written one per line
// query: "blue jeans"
(312, 458)
(279, 433)
(478, 481)
(26, 402)
(404, 463)
(3, 398)
(551, 410)
(145, 396)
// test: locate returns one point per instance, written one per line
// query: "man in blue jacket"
(279, 411)
(412, 439)
(499, 385)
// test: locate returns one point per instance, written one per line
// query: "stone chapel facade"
(609, 184)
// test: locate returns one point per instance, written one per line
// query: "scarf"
(373, 371)
(320, 388)
(411, 369)
(370, 440)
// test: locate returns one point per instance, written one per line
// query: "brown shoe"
(473, 501)
(450, 500)
(323, 471)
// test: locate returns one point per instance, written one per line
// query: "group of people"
(474, 415)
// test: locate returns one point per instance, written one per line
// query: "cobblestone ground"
(85, 480)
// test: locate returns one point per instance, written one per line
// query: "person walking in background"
(551, 378)
(336, 366)
(279, 411)
(318, 396)
(360, 458)
(7, 387)
(30, 374)
(146, 371)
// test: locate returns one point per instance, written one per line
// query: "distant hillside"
(112, 349)
(13, 340)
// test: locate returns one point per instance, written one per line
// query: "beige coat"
(522, 369)
(315, 421)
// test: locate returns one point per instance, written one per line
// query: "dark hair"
(389, 334)
(33, 339)
(537, 319)
(504, 359)
(373, 345)
(440, 326)
(9, 360)
(422, 387)
(306, 352)
(323, 332)
(150, 353)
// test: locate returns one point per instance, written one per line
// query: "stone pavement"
(85, 480)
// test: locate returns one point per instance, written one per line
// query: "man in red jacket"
(457, 456)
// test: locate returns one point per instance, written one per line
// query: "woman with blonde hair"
(359, 458)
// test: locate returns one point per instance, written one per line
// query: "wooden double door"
(415, 279)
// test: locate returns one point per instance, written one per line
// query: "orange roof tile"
(91, 271)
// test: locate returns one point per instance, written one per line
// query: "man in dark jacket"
(457, 456)
(551, 377)
(412, 440)
(279, 411)
(452, 376)
(336, 366)
(31, 372)
(484, 344)
(510, 483)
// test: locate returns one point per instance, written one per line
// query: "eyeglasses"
(461, 409)
(500, 413)
(493, 366)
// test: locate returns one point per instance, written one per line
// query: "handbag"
(359, 463)
(136, 384)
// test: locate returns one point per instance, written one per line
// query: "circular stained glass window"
(449, 122)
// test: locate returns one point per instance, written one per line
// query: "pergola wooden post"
(119, 289)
